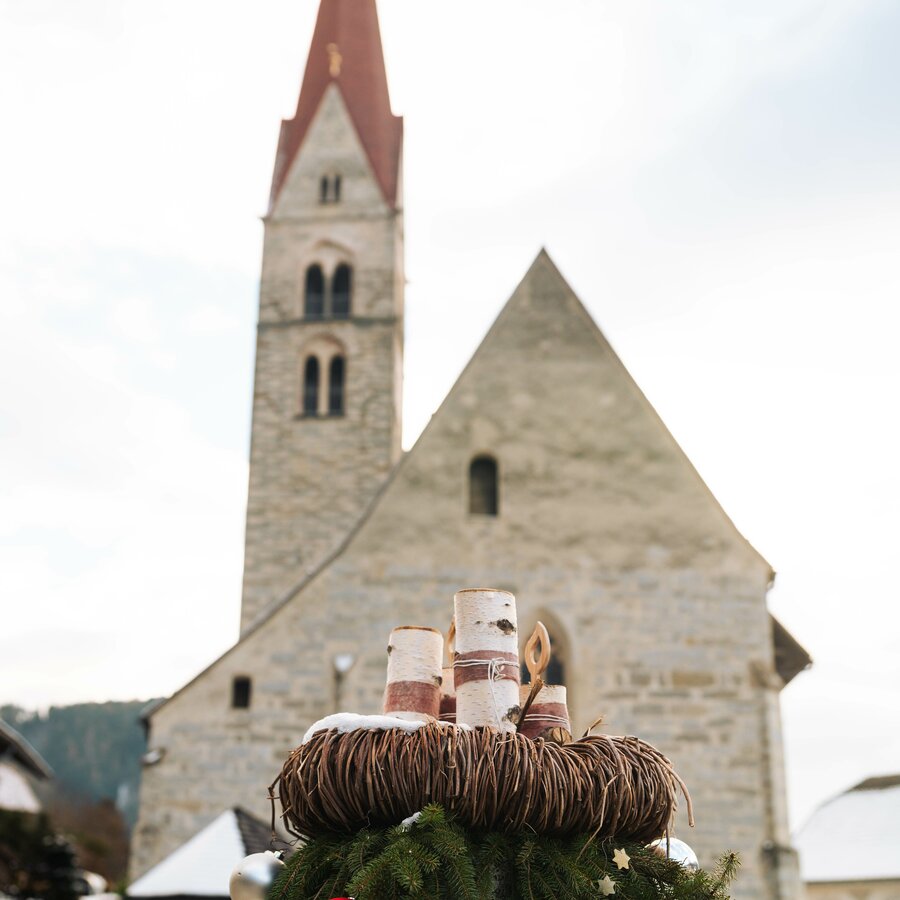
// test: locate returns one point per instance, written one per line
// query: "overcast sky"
(720, 182)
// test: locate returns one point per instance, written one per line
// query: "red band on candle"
(413, 696)
(448, 709)
(506, 665)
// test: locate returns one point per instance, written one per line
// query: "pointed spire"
(346, 50)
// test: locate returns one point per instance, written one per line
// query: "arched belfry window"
(341, 289)
(314, 298)
(311, 387)
(336, 378)
(241, 690)
(483, 486)
(330, 189)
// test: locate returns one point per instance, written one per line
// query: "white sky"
(720, 182)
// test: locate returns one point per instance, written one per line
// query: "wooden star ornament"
(621, 858)
(606, 885)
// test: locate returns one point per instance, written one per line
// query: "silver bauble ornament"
(678, 851)
(252, 877)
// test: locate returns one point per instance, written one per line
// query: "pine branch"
(436, 858)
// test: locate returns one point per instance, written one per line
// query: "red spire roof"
(346, 49)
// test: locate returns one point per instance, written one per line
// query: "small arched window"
(323, 189)
(341, 287)
(337, 188)
(336, 375)
(311, 387)
(241, 689)
(314, 298)
(483, 488)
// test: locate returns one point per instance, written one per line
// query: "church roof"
(202, 866)
(346, 50)
(854, 837)
(791, 658)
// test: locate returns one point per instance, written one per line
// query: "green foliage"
(35, 863)
(94, 749)
(439, 860)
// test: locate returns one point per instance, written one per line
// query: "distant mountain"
(95, 749)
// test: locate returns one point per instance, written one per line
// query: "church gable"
(331, 150)
(586, 469)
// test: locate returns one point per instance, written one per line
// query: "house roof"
(854, 837)
(14, 746)
(202, 866)
(16, 794)
(346, 50)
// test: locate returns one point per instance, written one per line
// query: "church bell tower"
(329, 353)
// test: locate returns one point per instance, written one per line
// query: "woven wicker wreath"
(611, 786)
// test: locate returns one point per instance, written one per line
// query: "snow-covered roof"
(15, 791)
(202, 866)
(854, 837)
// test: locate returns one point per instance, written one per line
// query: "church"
(545, 472)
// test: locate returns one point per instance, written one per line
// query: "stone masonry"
(311, 479)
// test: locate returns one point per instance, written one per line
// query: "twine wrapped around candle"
(486, 659)
(549, 711)
(413, 690)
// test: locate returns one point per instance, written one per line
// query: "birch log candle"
(448, 697)
(549, 711)
(415, 658)
(448, 688)
(486, 661)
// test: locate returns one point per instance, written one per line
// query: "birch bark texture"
(415, 662)
(486, 659)
(548, 711)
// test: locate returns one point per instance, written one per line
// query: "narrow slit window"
(314, 298)
(483, 488)
(336, 386)
(241, 689)
(337, 188)
(323, 189)
(311, 387)
(341, 288)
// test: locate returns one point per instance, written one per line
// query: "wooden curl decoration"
(616, 787)
(537, 665)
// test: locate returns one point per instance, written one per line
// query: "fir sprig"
(439, 860)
